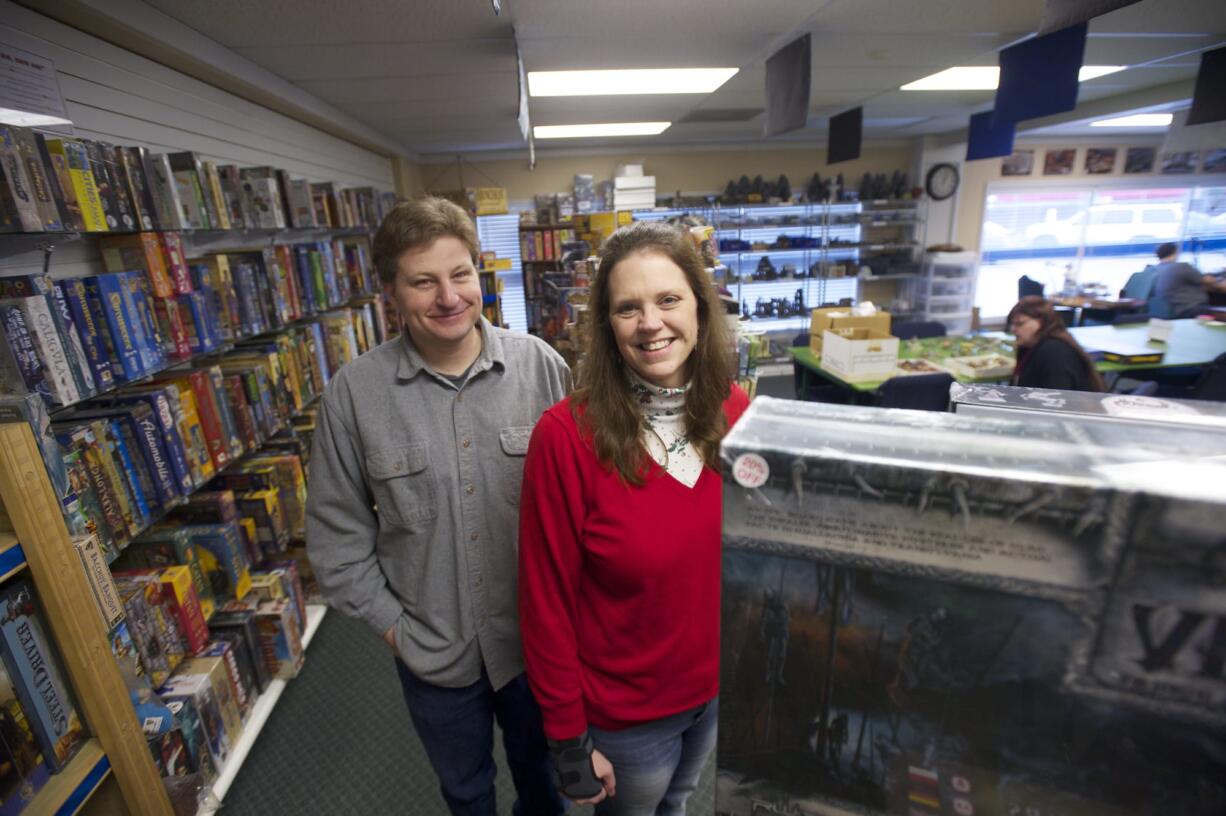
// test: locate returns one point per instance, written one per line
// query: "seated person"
(1047, 355)
(1181, 284)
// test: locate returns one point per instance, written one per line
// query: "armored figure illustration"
(918, 654)
(774, 629)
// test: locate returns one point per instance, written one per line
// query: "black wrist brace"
(573, 762)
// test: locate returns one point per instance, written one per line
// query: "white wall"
(117, 96)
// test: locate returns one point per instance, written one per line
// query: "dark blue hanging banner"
(843, 139)
(1209, 96)
(987, 141)
(1039, 77)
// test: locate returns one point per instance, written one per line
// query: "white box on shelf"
(634, 183)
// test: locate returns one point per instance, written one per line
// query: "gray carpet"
(340, 742)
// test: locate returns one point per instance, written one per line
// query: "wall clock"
(942, 181)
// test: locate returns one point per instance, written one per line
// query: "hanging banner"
(787, 87)
(987, 141)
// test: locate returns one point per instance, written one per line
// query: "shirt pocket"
(401, 482)
(514, 443)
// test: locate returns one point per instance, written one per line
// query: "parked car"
(1110, 224)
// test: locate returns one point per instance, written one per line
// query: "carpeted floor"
(340, 742)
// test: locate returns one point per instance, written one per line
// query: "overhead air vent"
(709, 115)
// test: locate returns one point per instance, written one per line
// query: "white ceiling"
(439, 76)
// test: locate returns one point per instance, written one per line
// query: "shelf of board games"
(16, 243)
(32, 516)
(256, 720)
(89, 768)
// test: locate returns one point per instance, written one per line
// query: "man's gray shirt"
(1181, 284)
(413, 504)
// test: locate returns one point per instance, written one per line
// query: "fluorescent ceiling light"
(986, 77)
(627, 82)
(20, 118)
(1136, 120)
(610, 129)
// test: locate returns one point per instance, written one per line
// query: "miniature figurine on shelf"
(783, 189)
(816, 190)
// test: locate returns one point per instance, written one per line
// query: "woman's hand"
(604, 772)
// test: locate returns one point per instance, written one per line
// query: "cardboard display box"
(1015, 401)
(859, 354)
(836, 318)
(945, 614)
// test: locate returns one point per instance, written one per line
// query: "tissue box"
(941, 614)
(841, 318)
(859, 354)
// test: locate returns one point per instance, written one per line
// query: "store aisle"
(340, 742)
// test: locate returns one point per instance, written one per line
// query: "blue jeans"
(456, 726)
(657, 764)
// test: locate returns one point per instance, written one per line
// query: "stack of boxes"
(632, 190)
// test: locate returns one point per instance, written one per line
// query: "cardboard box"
(948, 614)
(238, 626)
(197, 692)
(837, 318)
(196, 740)
(859, 354)
(280, 639)
(218, 676)
(241, 685)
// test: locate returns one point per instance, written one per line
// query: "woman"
(1047, 355)
(619, 537)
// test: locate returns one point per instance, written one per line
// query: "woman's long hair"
(1051, 326)
(603, 402)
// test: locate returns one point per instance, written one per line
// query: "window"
(1091, 239)
(500, 234)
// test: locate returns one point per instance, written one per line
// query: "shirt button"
(466, 442)
(398, 466)
(473, 537)
(469, 489)
(459, 398)
(477, 582)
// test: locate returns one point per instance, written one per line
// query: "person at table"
(1181, 284)
(1047, 355)
(619, 533)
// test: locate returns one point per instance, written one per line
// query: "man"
(413, 507)
(1181, 285)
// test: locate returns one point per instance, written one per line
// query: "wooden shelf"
(255, 722)
(66, 791)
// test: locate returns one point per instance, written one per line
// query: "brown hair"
(419, 223)
(603, 401)
(1051, 326)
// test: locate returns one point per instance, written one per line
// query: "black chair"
(1145, 389)
(1131, 317)
(911, 329)
(1212, 384)
(918, 392)
(1026, 286)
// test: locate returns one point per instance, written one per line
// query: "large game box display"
(1014, 401)
(929, 613)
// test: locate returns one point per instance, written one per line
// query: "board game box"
(928, 613)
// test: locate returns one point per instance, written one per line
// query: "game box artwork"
(929, 613)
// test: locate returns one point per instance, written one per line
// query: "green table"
(929, 348)
(1192, 343)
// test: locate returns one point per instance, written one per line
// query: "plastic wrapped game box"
(929, 613)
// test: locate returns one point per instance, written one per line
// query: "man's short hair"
(419, 223)
(1166, 250)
